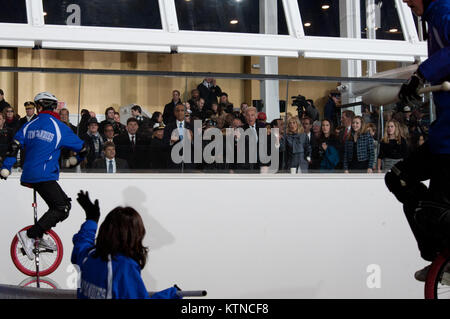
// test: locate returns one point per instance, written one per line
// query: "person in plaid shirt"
(359, 151)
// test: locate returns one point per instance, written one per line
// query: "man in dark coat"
(209, 91)
(133, 146)
(169, 108)
(3, 103)
(110, 163)
(174, 133)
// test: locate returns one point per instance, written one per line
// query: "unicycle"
(45, 261)
(437, 283)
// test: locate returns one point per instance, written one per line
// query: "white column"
(350, 24)
(35, 12)
(371, 24)
(268, 22)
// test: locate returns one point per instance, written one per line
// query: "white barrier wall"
(241, 236)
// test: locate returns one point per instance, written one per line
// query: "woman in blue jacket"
(111, 266)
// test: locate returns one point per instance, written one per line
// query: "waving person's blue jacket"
(42, 139)
(436, 69)
(117, 278)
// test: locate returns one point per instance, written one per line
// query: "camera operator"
(305, 107)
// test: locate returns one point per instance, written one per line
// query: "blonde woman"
(296, 146)
(393, 147)
(359, 148)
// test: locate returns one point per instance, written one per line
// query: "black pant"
(420, 166)
(58, 207)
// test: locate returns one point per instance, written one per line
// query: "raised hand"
(92, 210)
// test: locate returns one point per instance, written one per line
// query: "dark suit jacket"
(209, 94)
(99, 165)
(168, 113)
(166, 139)
(137, 158)
(159, 154)
(340, 147)
(248, 166)
(23, 120)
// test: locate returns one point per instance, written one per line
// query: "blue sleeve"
(169, 293)
(83, 241)
(69, 139)
(437, 66)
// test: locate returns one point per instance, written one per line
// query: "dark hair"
(1, 92)
(349, 114)
(136, 108)
(332, 133)
(132, 119)
(107, 125)
(155, 116)
(122, 232)
(307, 118)
(64, 109)
(274, 123)
(109, 109)
(108, 144)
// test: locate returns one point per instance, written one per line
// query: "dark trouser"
(58, 207)
(430, 230)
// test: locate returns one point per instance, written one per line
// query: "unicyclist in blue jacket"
(427, 209)
(42, 140)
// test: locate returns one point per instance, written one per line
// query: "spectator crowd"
(338, 141)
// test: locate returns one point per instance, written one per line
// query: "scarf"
(54, 114)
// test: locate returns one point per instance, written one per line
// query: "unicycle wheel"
(49, 260)
(43, 283)
(437, 284)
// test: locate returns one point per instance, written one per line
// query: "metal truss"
(171, 39)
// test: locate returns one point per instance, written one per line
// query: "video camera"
(301, 103)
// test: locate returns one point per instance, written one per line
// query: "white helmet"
(46, 100)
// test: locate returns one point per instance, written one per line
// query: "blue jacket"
(118, 278)
(43, 139)
(330, 159)
(437, 69)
